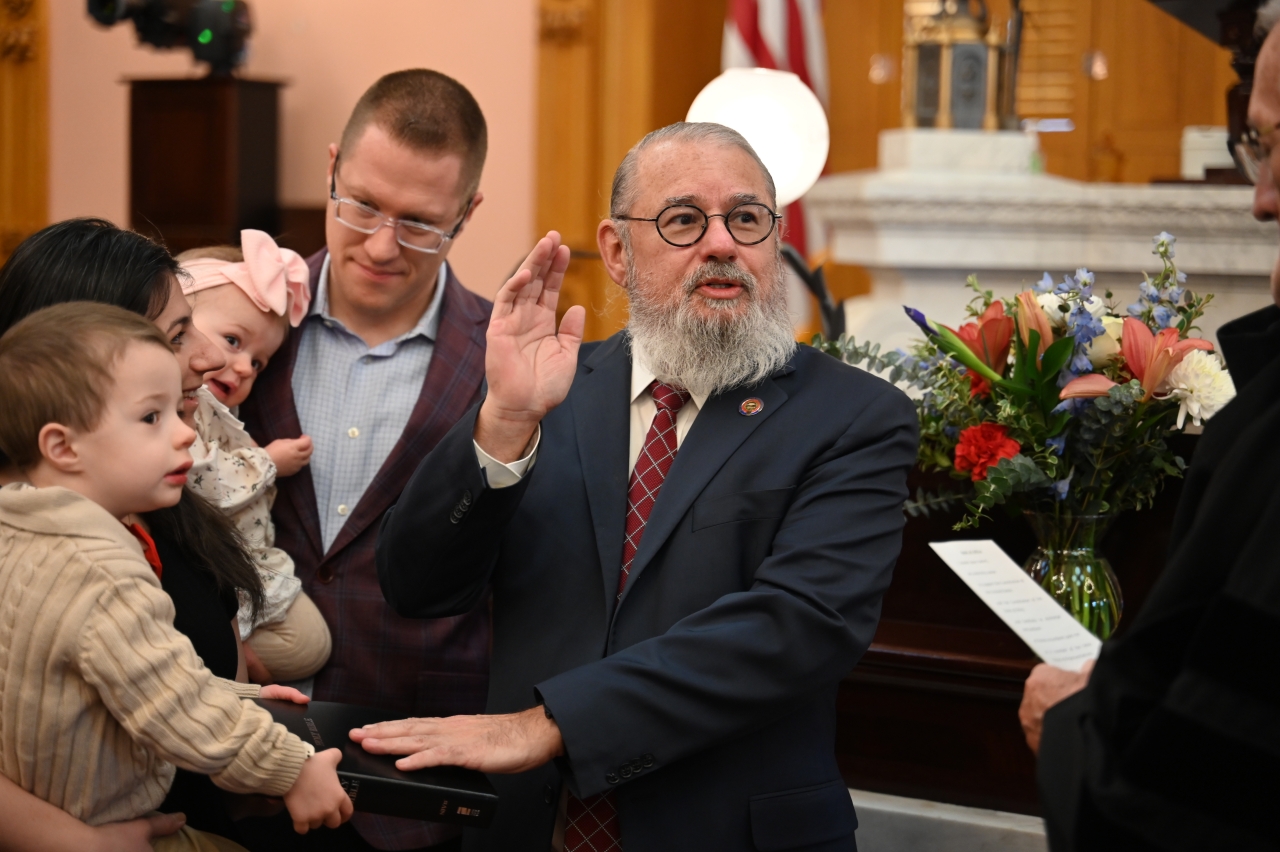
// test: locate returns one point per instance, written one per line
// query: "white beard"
(707, 356)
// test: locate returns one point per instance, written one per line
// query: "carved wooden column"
(24, 121)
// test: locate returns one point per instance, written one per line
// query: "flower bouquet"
(1054, 403)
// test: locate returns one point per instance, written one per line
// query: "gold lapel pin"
(751, 406)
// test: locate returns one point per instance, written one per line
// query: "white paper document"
(1047, 628)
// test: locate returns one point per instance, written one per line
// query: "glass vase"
(1069, 567)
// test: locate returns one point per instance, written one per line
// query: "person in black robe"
(1174, 743)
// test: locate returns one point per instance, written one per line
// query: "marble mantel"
(947, 204)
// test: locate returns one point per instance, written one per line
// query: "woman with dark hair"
(89, 260)
(205, 565)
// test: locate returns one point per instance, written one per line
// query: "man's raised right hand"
(529, 367)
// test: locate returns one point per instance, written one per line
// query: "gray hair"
(1268, 15)
(624, 179)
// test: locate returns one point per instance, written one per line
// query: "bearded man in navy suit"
(687, 529)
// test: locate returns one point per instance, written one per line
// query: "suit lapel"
(715, 436)
(601, 417)
(450, 388)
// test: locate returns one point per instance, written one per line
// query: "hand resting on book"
(504, 744)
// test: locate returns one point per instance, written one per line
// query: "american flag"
(785, 35)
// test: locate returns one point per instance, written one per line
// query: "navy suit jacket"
(705, 699)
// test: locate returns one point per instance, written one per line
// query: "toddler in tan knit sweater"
(99, 695)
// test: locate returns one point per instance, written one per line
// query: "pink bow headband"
(276, 280)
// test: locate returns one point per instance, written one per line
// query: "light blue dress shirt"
(355, 401)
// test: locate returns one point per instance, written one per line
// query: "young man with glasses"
(389, 358)
(687, 530)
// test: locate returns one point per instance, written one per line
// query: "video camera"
(215, 30)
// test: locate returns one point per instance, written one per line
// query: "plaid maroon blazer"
(406, 666)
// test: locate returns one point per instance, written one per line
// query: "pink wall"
(329, 51)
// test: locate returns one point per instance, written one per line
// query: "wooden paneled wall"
(1128, 75)
(24, 121)
(610, 71)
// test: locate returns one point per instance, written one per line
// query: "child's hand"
(284, 693)
(290, 454)
(316, 798)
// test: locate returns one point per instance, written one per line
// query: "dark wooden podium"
(931, 712)
(203, 159)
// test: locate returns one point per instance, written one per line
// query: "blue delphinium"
(1058, 444)
(1079, 363)
(1158, 300)
(1063, 486)
(1073, 406)
(1044, 285)
(1083, 327)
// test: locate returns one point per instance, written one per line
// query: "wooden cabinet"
(203, 159)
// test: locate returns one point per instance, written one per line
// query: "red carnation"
(982, 446)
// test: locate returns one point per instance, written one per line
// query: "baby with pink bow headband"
(244, 300)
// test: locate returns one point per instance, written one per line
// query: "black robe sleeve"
(1175, 743)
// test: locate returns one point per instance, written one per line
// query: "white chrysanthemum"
(1200, 386)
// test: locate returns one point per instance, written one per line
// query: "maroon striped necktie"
(592, 824)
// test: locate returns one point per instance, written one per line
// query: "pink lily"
(1031, 318)
(1148, 357)
(1086, 386)
(1151, 357)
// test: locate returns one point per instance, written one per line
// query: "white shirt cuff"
(502, 475)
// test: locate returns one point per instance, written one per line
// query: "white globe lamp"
(781, 118)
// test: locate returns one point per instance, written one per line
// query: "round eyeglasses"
(1248, 152)
(683, 225)
(412, 235)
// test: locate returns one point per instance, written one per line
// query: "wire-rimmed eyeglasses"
(683, 225)
(1248, 152)
(413, 235)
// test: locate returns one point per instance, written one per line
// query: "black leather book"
(440, 794)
